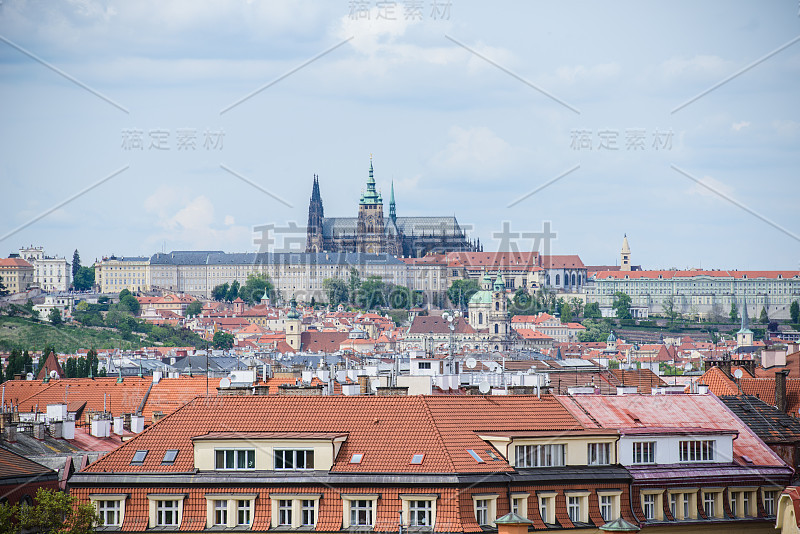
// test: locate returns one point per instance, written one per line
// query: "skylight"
(138, 457)
(169, 457)
(475, 455)
(356, 458)
(417, 459)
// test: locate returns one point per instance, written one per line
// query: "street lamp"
(451, 320)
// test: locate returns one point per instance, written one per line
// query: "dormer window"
(294, 459)
(234, 459)
(697, 451)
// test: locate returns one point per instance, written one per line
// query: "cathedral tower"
(625, 255)
(316, 214)
(370, 226)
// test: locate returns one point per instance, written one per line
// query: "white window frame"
(547, 502)
(657, 496)
(742, 501)
(154, 499)
(775, 492)
(120, 499)
(231, 501)
(519, 502)
(408, 498)
(236, 453)
(296, 510)
(490, 502)
(614, 495)
(532, 456)
(347, 506)
(597, 452)
(294, 459)
(692, 451)
(582, 503)
(639, 448)
(714, 496)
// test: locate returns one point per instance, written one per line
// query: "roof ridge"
(423, 399)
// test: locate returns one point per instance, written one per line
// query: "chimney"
(780, 390)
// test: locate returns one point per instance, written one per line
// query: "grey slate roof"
(272, 258)
(408, 226)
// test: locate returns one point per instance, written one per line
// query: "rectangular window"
(599, 453)
(424, 365)
(361, 513)
(709, 504)
(234, 459)
(574, 509)
(544, 508)
(419, 513)
(733, 498)
(697, 451)
(644, 452)
(109, 513)
(745, 504)
(482, 511)
(285, 513)
(167, 513)
(138, 457)
(518, 506)
(649, 506)
(243, 512)
(606, 507)
(540, 455)
(294, 459)
(687, 498)
(769, 502)
(221, 513)
(308, 513)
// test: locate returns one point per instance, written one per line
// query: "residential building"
(113, 274)
(16, 274)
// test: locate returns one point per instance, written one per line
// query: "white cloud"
(701, 67)
(786, 127)
(580, 74)
(190, 222)
(711, 187)
(739, 126)
(476, 150)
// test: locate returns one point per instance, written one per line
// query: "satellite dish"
(29, 376)
(471, 362)
(375, 384)
(738, 373)
(498, 370)
(484, 387)
(687, 367)
(225, 383)
(53, 374)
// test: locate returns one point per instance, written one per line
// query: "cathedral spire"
(392, 213)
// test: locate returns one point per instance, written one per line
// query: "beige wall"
(324, 451)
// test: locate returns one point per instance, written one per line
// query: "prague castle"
(373, 232)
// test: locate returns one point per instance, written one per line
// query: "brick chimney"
(780, 390)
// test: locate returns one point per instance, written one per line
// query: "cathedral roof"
(337, 226)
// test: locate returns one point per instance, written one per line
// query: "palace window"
(540, 455)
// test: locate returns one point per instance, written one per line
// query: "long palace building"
(372, 232)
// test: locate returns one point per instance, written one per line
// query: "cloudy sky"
(129, 128)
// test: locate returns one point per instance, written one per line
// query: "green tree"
(3, 290)
(194, 309)
(577, 306)
(622, 305)
(222, 340)
(764, 318)
(460, 291)
(371, 293)
(122, 294)
(254, 287)
(669, 308)
(401, 297)
(734, 313)
(523, 303)
(336, 290)
(233, 291)
(55, 317)
(220, 292)
(565, 311)
(130, 304)
(592, 311)
(794, 312)
(57, 513)
(353, 284)
(14, 364)
(76, 264)
(84, 279)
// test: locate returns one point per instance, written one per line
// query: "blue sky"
(468, 106)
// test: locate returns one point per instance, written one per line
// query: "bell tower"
(370, 226)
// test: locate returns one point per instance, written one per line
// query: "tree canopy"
(84, 279)
(460, 291)
(622, 305)
(55, 512)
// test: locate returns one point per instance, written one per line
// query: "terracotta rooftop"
(387, 430)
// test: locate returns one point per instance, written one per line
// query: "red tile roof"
(387, 430)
